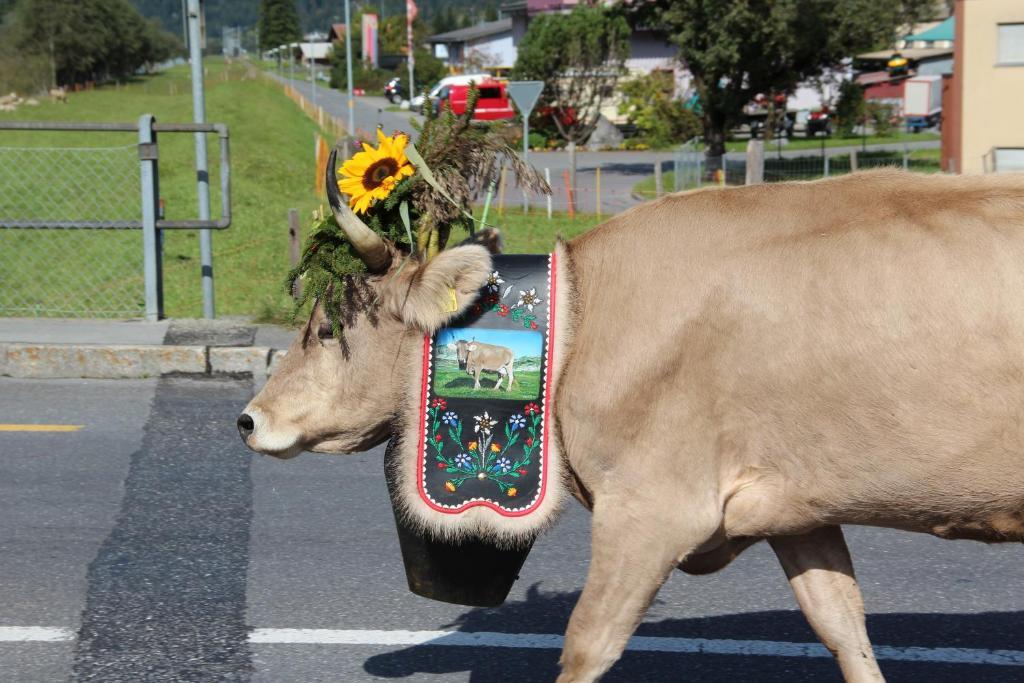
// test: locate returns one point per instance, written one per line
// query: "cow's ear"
(471, 347)
(429, 296)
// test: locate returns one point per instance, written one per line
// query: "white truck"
(922, 102)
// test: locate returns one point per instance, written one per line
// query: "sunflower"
(373, 173)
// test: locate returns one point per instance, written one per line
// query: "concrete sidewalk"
(130, 349)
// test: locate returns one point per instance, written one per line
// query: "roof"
(463, 35)
(337, 32)
(913, 53)
(944, 30)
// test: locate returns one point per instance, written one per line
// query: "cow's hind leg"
(821, 573)
(635, 546)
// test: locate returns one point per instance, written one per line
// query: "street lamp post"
(202, 173)
(348, 71)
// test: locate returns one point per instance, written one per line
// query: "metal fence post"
(755, 163)
(202, 172)
(152, 256)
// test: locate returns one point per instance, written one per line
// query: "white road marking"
(757, 648)
(35, 634)
(550, 641)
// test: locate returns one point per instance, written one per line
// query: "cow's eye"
(325, 331)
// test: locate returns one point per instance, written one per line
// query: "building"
(487, 46)
(928, 51)
(984, 97)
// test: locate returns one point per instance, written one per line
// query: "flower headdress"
(405, 198)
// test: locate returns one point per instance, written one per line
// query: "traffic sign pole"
(525, 94)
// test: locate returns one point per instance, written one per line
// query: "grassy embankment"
(272, 171)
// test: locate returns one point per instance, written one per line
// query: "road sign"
(525, 94)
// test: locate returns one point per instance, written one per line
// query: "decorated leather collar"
(485, 402)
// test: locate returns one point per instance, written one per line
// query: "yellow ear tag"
(453, 303)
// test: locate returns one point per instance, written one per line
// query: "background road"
(156, 539)
(620, 171)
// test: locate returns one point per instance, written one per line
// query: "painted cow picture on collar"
(476, 357)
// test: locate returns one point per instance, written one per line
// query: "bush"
(850, 109)
(647, 102)
(881, 115)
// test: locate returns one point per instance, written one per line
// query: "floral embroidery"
(485, 458)
(439, 403)
(521, 311)
(494, 281)
(528, 299)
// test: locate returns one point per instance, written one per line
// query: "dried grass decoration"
(413, 196)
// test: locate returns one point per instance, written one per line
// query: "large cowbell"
(481, 438)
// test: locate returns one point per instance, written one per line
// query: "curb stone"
(95, 361)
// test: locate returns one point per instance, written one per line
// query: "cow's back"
(852, 346)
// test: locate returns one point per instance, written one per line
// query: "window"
(1011, 44)
(1009, 160)
(490, 93)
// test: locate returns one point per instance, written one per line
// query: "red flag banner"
(410, 11)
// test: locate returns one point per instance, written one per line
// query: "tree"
(736, 49)
(580, 57)
(279, 24)
(648, 103)
(86, 40)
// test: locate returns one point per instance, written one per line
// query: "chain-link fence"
(64, 269)
(80, 229)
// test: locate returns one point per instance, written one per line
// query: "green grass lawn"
(99, 272)
(272, 171)
(815, 143)
(451, 382)
(807, 167)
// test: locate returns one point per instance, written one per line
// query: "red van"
(493, 104)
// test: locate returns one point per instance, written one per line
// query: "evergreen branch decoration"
(461, 156)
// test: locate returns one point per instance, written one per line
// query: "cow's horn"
(368, 244)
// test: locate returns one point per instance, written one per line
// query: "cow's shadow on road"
(543, 612)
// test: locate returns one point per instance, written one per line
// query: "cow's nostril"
(245, 425)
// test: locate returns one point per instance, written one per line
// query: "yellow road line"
(39, 428)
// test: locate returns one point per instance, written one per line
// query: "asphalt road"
(158, 542)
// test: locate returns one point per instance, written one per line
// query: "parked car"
(393, 90)
(462, 79)
(493, 104)
(819, 122)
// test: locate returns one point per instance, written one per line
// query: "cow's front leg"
(476, 379)
(635, 546)
(821, 573)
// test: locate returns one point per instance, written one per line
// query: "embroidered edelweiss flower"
(494, 281)
(503, 465)
(517, 421)
(528, 299)
(484, 423)
(463, 461)
(450, 418)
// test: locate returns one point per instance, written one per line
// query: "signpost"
(196, 39)
(525, 94)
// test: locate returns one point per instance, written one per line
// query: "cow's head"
(341, 395)
(462, 349)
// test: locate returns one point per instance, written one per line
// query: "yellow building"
(987, 88)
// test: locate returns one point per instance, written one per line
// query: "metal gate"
(80, 227)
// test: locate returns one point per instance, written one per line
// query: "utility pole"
(348, 72)
(202, 174)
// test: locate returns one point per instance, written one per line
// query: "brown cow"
(474, 357)
(845, 351)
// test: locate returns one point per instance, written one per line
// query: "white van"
(462, 79)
